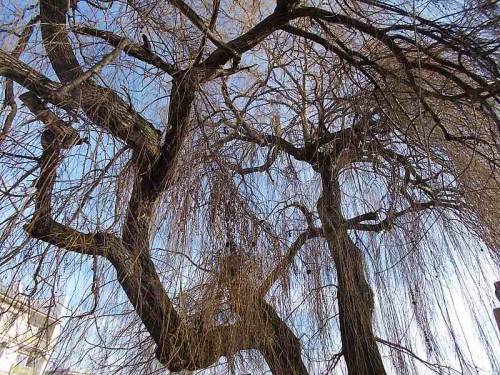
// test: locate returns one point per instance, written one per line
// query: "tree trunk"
(356, 305)
(282, 351)
(355, 297)
(272, 337)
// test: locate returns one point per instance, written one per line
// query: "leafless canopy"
(299, 186)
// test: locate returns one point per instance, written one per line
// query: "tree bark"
(282, 351)
(355, 297)
(277, 343)
(181, 346)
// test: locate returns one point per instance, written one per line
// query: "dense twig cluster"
(289, 172)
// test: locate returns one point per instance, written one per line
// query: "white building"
(28, 331)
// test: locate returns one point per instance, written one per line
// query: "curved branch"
(135, 50)
(287, 260)
(270, 159)
(248, 40)
(389, 221)
(62, 132)
(102, 105)
(200, 24)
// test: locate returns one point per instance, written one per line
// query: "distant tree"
(346, 152)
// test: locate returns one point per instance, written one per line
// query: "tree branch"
(107, 59)
(42, 225)
(287, 260)
(132, 49)
(248, 40)
(62, 132)
(270, 159)
(102, 105)
(200, 24)
(391, 217)
(9, 100)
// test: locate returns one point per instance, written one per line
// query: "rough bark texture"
(282, 351)
(180, 346)
(102, 105)
(280, 347)
(355, 297)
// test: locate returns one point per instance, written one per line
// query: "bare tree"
(350, 132)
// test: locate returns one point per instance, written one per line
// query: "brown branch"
(391, 217)
(433, 366)
(102, 105)
(42, 225)
(390, 41)
(270, 159)
(9, 119)
(135, 50)
(305, 211)
(249, 134)
(363, 217)
(248, 40)
(211, 25)
(287, 260)
(9, 100)
(65, 237)
(178, 347)
(107, 59)
(200, 24)
(62, 132)
(135, 131)
(26, 76)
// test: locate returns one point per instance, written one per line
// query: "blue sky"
(144, 89)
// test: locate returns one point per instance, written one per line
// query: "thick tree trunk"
(355, 297)
(282, 351)
(272, 337)
(355, 300)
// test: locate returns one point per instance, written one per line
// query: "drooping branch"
(444, 34)
(177, 344)
(178, 347)
(284, 264)
(436, 367)
(200, 24)
(391, 42)
(9, 100)
(283, 353)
